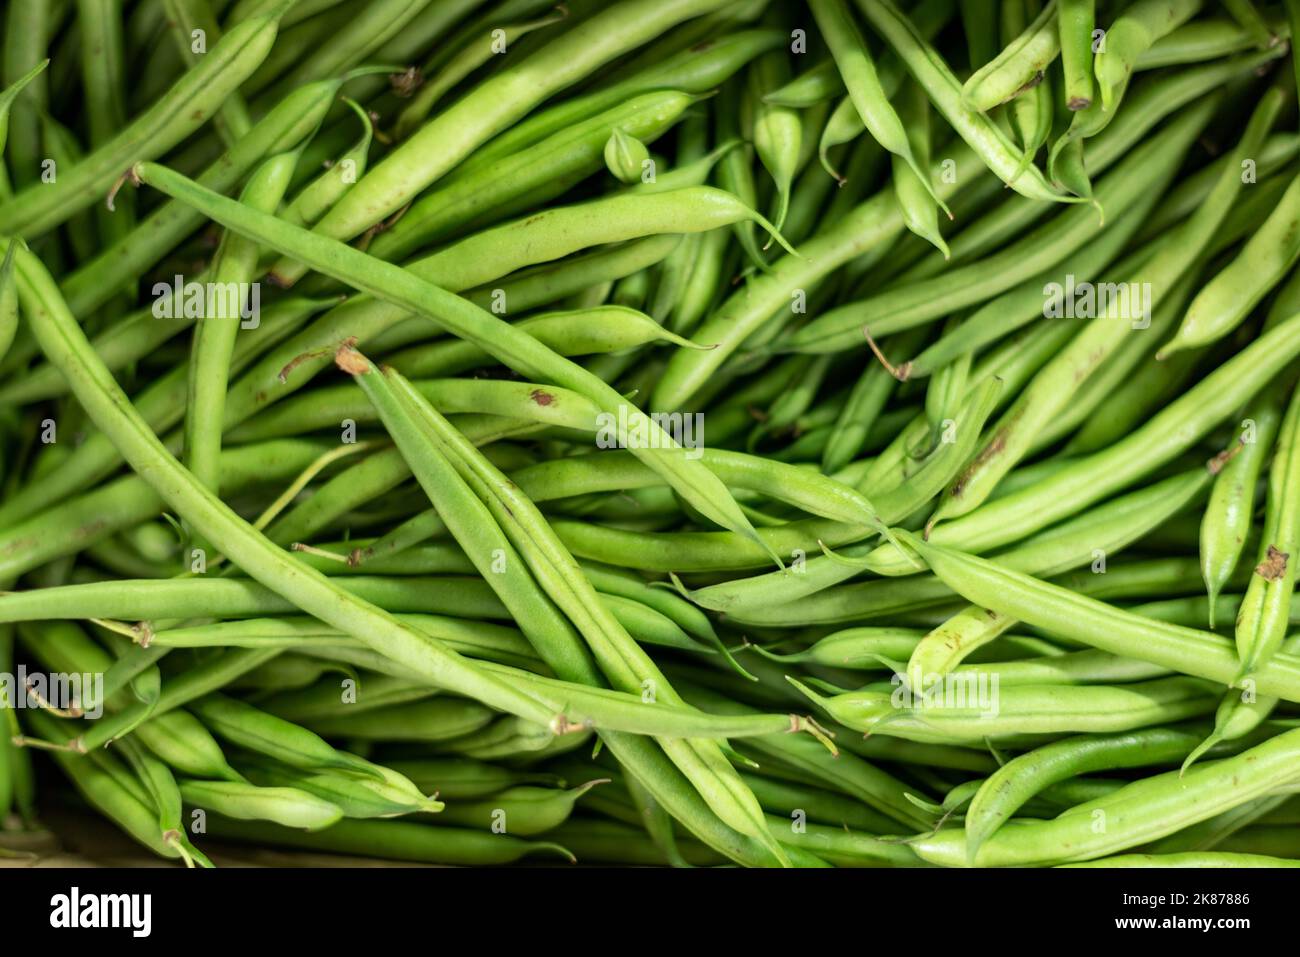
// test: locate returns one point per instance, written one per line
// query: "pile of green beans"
(454, 432)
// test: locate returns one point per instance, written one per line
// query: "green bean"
(1111, 527)
(280, 130)
(1129, 36)
(844, 125)
(1264, 612)
(1191, 859)
(865, 403)
(480, 639)
(1241, 712)
(1073, 667)
(507, 737)
(1025, 302)
(234, 266)
(464, 62)
(104, 88)
(164, 795)
(1224, 302)
(815, 85)
(1017, 781)
(825, 807)
(845, 848)
(1137, 813)
(1087, 620)
(320, 195)
(622, 661)
(363, 32)
(1228, 515)
(185, 17)
(433, 720)
(1244, 12)
(1019, 66)
(657, 822)
(873, 222)
(255, 730)
(1198, 40)
(553, 164)
(699, 67)
(467, 779)
(777, 130)
(28, 32)
(596, 331)
(496, 103)
(1074, 20)
(1293, 21)
(8, 302)
(736, 170)
(393, 840)
(287, 807)
(866, 92)
(1045, 396)
(915, 195)
(241, 598)
(954, 709)
(845, 772)
(523, 810)
(187, 105)
(7, 98)
(107, 795)
(388, 796)
(695, 483)
(1031, 112)
(1147, 168)
(127, 501)
(67, 347)
(980, 133)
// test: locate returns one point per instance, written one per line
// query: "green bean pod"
(496, 103)
(1019, 66)
(1265, 610)
(462, 63)
(467, 779)
(1228, 298)
(7, 98)
(393, 840)
(437, 719)
(523, 810)
(1094, 623)
(980, 133)
(8, 302)
(1130, 36)
(916, 196)
(1074, 20)
(957, 710)
(288, 807)
(778, 130)
(1231, 508)
(169, 121)
(858, 70)
(1140, 812)
(355, 796)
(1017, 781)
(256, 730)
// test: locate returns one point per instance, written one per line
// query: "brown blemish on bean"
(1273, 567)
